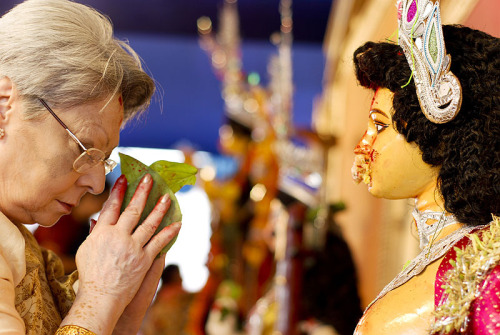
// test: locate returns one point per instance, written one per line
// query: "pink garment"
(484, 314)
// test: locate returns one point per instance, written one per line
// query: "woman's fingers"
(160, 240)
(144, 232)
(130, 217)
(111, 210)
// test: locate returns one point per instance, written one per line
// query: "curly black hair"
(467, 149)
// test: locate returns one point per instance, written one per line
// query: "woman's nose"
(94, 179)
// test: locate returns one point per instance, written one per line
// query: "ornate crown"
(421, 37)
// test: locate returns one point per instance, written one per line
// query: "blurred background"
(260, 96)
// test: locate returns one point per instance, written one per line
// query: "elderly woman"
(448, 160)
(66, 87)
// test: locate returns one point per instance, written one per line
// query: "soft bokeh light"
(258, 192)
(204, 25)
(191, 249)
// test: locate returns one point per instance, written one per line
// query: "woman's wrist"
(93, 313)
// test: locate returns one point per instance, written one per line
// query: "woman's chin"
(48, 220)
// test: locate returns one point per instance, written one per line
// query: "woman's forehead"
(97, 123)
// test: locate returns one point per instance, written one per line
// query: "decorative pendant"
(428, 231)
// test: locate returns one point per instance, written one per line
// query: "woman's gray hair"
(66, 54)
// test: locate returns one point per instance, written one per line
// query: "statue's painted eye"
(380, 126)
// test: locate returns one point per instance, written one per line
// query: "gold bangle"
(73, 330)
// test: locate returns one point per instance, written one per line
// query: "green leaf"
(133, 171)
(132, 168)
(175, 174)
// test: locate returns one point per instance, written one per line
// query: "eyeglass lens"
(91, 158)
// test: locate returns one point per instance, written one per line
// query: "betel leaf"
(132, 168)
(175, 174)
(133, 171)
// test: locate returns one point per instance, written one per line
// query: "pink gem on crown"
(412, 11)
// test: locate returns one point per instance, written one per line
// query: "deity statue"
(433, 135)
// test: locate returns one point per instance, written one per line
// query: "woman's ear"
(6, 97)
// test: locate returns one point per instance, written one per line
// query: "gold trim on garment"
(73, 330)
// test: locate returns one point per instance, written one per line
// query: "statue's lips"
(361, 169)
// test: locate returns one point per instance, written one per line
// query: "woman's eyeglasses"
(89, 157)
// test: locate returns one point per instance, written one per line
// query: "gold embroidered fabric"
(466, 279)
(73, 330)
(45, 295)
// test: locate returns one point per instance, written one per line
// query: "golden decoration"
(472, 266)
(73, 330)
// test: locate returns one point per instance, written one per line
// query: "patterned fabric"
(485, 311)
(475, 303)
(73, 330)
(44, 295)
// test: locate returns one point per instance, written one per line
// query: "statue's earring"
(2, 133)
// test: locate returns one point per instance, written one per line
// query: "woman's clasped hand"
(118, 264)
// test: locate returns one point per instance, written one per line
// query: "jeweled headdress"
(421, 37)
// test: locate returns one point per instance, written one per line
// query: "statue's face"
(391, 167)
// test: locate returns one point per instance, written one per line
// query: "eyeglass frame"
(109, 164)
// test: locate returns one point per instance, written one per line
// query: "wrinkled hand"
(115, 261)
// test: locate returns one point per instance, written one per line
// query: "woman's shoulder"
(12, 248)
(467, 288)
(10, 320)
(12, 270)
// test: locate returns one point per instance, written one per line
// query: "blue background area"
(188, 106)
